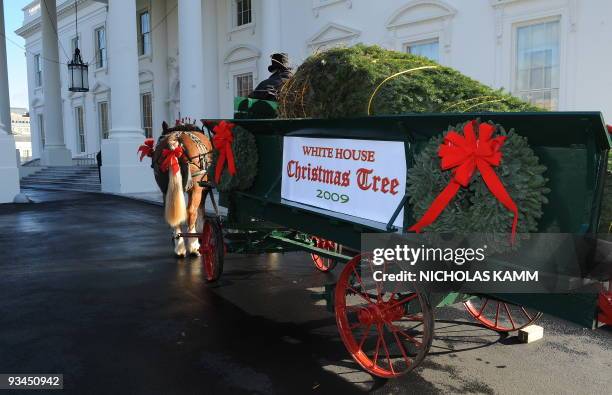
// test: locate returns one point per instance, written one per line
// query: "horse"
(181, 160)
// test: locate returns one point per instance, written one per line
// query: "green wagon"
(389, 333)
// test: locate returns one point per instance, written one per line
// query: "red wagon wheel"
(387, 333)
(212, 249)
(500, 316)
(324, 264)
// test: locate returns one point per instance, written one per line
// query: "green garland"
(245, 157)
(474, 209)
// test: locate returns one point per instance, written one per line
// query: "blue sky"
(18, 82)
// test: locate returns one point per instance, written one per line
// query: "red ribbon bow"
(222, 142)
(464, 154)
(171, 157)
(146, 149)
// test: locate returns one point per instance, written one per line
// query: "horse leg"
(195, 198)
(179, 242)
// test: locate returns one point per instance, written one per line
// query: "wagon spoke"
(526, 313)
(497, 314)
(509, 316)
(363, 295)
(384, 343)
(377, 349)
(356, 325)
(413, 317)
(402, 349)
(365, 336)
(378, 293)
(382, 283)
(400, 302)
(359, 279)
(483, 307)
(395, 289)
(395, 330)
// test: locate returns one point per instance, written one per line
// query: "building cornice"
(317, 5)
(63, 10)
(498, 3)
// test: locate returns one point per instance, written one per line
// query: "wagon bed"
(574, 147)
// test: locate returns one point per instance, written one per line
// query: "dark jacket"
(268, 89)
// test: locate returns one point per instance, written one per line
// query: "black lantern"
(78, 73)
(77, 70)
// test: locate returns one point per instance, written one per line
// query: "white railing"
(85, 160)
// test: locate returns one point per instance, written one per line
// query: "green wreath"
(245, 158)
(474, 209)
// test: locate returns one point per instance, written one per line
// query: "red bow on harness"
(464, 154)
(171, 159)
(146, 149)
(222, 142)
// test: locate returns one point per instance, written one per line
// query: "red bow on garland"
(146, 149)
(171, 157)
(464, 154)
(222, 142)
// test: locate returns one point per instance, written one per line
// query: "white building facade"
(151, 60)
(20, 127)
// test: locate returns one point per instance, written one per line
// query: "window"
(428, 49)
(100, 47)
(537, 64)
(41, 130)
(243, 84)
(80, 128)
(144, 33)
(37, 70)
(147, 114)
(243, 12)
(103, 119)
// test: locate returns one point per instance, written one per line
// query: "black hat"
(280, 61)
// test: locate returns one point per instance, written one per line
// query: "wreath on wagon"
(234, 164)
(478, 178)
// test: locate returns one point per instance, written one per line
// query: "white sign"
(362, 178)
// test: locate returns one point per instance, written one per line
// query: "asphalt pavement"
(89, 288)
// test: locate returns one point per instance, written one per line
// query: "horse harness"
(199, 160)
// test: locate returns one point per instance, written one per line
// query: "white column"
(211, 61)
(5, 104)
(9, 175)
(122, 172)
(55, 152)
(270, 21)
(191, 58)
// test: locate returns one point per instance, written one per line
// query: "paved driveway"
(89, 288)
